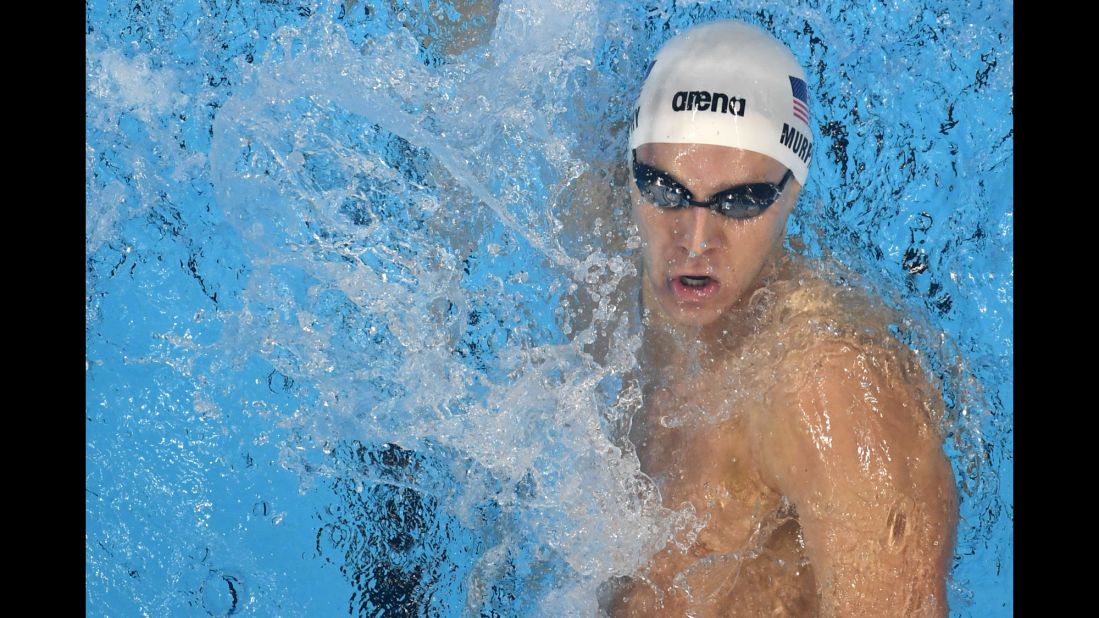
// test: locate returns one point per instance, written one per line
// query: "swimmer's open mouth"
(693, 288)
(695, 281)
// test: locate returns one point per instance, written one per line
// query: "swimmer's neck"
(666, 344)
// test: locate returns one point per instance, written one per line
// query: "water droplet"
(222, 594)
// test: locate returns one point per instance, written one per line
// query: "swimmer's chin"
(667, 308)
(694, 317)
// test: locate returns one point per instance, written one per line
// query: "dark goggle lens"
(747, 201)
(743, 202)
(663, 195)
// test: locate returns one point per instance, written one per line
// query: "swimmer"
(777, 405)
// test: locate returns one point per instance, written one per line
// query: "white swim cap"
(730, 84)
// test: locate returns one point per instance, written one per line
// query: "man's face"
(698, 263)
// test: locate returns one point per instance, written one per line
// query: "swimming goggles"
(739, 202)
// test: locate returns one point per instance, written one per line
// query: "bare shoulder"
(846, 397)
(854, 408)
(842, 388)
(849, 434)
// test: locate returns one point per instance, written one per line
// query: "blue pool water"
(356, 289)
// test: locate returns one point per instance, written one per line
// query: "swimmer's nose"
(700, 231)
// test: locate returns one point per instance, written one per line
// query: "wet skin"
(828, 493)
(699, 241)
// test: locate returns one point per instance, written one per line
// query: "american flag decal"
(801, 99)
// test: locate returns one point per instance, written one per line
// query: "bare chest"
(747, 560)
(699, 451)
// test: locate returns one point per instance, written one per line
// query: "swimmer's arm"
(873, 490)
